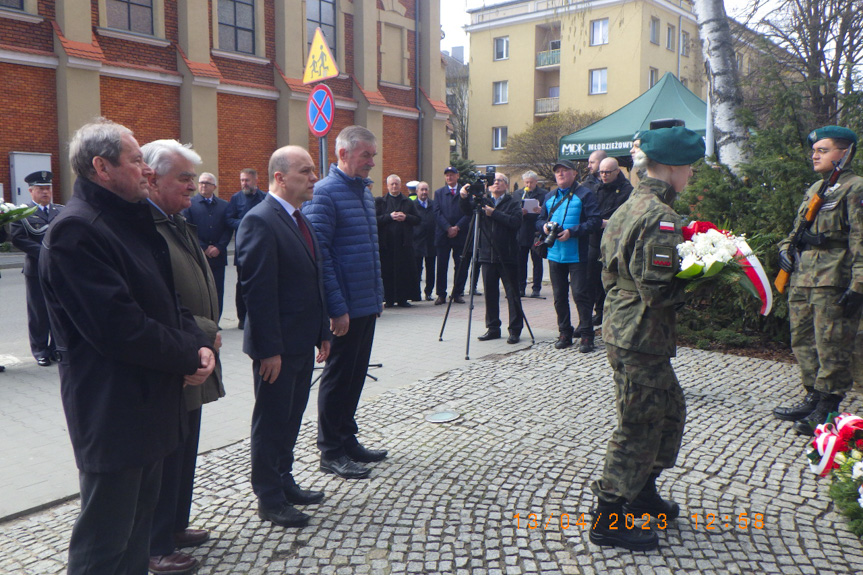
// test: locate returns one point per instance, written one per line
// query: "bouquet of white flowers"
(707, 251)
(11, 213)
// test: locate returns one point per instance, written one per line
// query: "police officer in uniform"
(639, 258)
(27, 236)
(826, 293)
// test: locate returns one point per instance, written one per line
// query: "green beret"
(677, 146)
(832, 132)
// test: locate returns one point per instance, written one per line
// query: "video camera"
(479, 182)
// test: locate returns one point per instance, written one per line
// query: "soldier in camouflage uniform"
(640, 260)
(826, 293)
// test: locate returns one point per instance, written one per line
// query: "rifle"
(812, 211)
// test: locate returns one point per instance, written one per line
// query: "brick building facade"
(225, 75)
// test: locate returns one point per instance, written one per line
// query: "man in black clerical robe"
(397, 216)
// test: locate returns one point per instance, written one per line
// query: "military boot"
(801, 410)
(827, 404)
(611, 529)
(649, 501)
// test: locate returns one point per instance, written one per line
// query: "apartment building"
(532, 58)
(225, 75)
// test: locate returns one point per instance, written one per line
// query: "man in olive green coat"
(171, 187)
(639, 327)
(826, 293)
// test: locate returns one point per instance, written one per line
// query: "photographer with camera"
(499, 222)
(569, 216)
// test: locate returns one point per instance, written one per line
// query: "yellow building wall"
(627, 56)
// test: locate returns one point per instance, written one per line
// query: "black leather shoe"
(429, 298)
(440, 300)
(458, 299)
(406, 304)
(490, 334)
(586, 345)
(174, 564)
(800, 410)
(2, 368)
(360, 454)
(596, 319)
(610, 529)
(43, 361)
(297, 496)
(241, 324)
(563, 342)
(535, 293)
(344, 467)
(286, 516)
(513, 338)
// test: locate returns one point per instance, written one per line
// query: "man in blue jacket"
(575, 211)
(342, 213)
(450, 236)
(247, 198)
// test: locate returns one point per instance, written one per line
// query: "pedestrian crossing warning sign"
(321, 65)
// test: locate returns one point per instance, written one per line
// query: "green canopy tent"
(667, 99)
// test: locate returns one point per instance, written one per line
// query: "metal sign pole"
(322, 153)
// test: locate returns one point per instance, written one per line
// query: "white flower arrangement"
(12, 213)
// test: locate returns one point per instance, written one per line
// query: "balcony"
(545, 106)
(548, 58)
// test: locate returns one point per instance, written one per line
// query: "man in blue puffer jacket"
(575, 209)
(342, 213)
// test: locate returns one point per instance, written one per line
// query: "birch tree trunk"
(723, 84)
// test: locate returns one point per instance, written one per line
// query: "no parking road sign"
(320, 111)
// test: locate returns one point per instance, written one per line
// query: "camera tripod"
(510, 291)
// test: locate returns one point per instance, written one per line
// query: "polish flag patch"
(666, 226)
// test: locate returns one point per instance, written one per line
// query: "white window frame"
(602, 23)
(652, 77)
(671, 37)
(500, 92)
(684, 43)
(498, 137)
(654, 30)
(504, 53)
(602, 86)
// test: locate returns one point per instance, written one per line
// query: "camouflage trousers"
(822, 338)
(651, 412)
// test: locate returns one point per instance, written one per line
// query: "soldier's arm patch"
(666, 226)
(661, 257)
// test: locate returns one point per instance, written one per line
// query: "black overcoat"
(124, 341)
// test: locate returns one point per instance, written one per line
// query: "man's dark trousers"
(573, 276)
(341, 386)
(95, 544)
(492, 275)
(276, 420)
(524, 252)
(219, 277)
(443, 253)
(175, 496)
(429, 263)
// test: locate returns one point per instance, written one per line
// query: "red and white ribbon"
(846, 425)
(827, 444)
(755, 272)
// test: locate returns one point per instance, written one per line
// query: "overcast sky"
(454, 18)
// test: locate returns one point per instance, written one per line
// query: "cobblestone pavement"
(456, 497)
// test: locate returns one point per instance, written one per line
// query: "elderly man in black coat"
(397, 217)
(126, 347)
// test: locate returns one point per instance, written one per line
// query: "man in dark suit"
(527, 234)
(126, 347)
(27, 236)
(247, 198)
(209, 213)
(287, 317)
(450, 237)
(424, 250)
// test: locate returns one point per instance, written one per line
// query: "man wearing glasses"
(208, 213)
(826, 290)
(611, 193)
